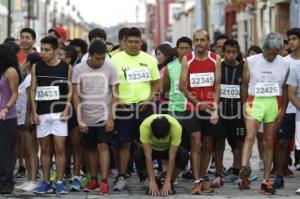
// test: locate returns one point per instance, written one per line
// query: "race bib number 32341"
(138, 75)
(45, 93)
(267, 89)
(202, 79)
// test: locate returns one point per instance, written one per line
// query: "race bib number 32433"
(45, 93)
(267, 89)
(202, 79)
(138, 75)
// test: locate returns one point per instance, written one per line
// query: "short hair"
(273, 41)
(134, 32)
(14, 46)
(285, 42)
(294, 31)
(80, 43)
(254, 48)
(53, 30)
(144, 47)
(70, 53)
(231, 43)
(160, 127)
(9, 39)
(109, 43)
(184, 40)
(221, 36)
(30, 31)
(33, 58)
(202, 30)
(97, 47)
(122, 33)
(97, 32)
(50, 40)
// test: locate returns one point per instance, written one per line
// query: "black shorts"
(96, 135)
(128, 122)
(287, 128)
(72, 122)
(234, 129)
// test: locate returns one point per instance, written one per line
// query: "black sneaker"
(267, 188)
(21, 172)
(188, 175)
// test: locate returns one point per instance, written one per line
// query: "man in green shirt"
(160, 135)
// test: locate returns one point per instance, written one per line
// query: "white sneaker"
(30, 186)
(261, 165)
(298, 191)
(120, 184)
(22, 185)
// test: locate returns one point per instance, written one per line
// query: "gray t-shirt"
(294, 80)
(95, 91)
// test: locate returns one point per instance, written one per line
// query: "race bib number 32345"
(138, 75)
(267, 89)
(45, 93)
(202, 79)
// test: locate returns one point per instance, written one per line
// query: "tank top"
(52, 87)
(5, 95)
(177, 101)
(266, 78)
(230, 97)
(201, 78)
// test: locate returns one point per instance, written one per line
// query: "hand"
(153, 190)
(109, 125)
(144, 106)
(278, 120)
(166, 190)
(3, 113)
(123, 107)
(64, 116)
(204, 107)
(82, 127)
(28, 124)
(214, 117)
(36, 118)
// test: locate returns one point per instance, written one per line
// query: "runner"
(25, 127)
(80, 46)
(122, 35)
(293, 83)
(200, 82)
(264, 94)
(9, 81)
(139, 81)
(231, 109)
(27, 41)
(95, 82)
(160, 135)
(50, 98)
(220, 40)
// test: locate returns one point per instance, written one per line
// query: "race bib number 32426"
(202, 79)
(267, 89)
(45, 93)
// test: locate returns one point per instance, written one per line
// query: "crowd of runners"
(87, 111)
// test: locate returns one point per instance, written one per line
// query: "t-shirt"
(21, 104)
(294, 80)
(95, 90)
(173, 138)
(135, 75)
(113, 53)
(293, 62)
(85, 57)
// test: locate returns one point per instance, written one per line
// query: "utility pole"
(9, 21)
(28, 12)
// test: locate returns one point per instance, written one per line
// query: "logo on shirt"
(143, 64)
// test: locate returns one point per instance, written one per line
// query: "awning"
(3, 10)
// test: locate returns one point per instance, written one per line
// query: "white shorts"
(50, 124)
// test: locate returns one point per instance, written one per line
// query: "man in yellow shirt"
(160, 135)
(139, 81)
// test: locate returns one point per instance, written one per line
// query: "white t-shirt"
(21, 104)
(86, 56)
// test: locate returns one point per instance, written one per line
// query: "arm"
(292, 93)
(245, 82)
(65, 113)
(166, 82)
(218, 76)
(114, 101)
(183, 87)
(155, 87)
(32, 95)
(28, 109)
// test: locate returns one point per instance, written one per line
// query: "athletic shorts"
(234, 129)
(96, 135)
(127, 123)
(50, 124)
(263, 109)
(287, 128)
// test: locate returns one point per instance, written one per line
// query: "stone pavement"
(183, 188)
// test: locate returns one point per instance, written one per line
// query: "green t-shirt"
(135, 75)
(113, 53)
(177, 101)
(174, 137)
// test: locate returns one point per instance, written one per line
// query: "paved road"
(183, 187)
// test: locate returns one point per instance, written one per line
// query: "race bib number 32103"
(45, 93)
(138, 75)
(202, 79)
(267, 89)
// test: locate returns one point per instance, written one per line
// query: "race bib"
(202, 79)
(46, 93)
(230, 91)
(138, 75)
(176, 86)
(267, 89)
